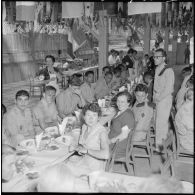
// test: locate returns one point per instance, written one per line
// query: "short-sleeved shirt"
(115, 83)
(101, 88)
(18, 125)
(111, 60)
(124, 119)
(87, 92)
(68, 101)
(47, 113)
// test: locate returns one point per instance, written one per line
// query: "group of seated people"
(135, 64)
(95, 140)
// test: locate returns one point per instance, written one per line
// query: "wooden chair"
(167, 166)
(180, 152)
(153, 133)
(110, 161)
(146, 145)
(126, 160)
(169, 145)
(153, 136)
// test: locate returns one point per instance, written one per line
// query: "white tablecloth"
(42, 159)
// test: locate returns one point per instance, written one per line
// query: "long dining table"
(40, 160)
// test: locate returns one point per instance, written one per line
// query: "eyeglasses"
(157, 56)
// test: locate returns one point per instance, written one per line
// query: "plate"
(22, 152)
(32, 175)
(65, 139)
(51, 130)
(52, 147)
(28, 144)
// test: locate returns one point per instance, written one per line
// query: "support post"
(103, 40)
(166, 38)
(174, 47)
(147, 36)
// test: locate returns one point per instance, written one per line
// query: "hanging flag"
(88, 9)
(120, 9)
(72, 9)
(169, 13)
(158, 19)
(4, 11)
(187, 5)
(163, 15)
(153, 19)
(25, 10)
(48, 8)
(143, 7)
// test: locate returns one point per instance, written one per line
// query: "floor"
(184, 171)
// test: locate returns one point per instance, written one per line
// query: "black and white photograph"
(97, 97)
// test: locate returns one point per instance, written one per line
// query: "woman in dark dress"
(122, 123)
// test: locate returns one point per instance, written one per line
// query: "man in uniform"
(143, 112)
(18, 121)
(162, 94)
(87, 89)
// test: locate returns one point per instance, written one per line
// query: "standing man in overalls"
(162, 95)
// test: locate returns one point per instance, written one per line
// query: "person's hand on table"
(81, 149)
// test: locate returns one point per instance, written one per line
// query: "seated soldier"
(184, 121)
(103, 86)
(18, 122)
(70, 99)
(143, 112)
(87, 90)
(45, 112)
(149, 81)
(124, 74)
(105, 69)
(116, 81)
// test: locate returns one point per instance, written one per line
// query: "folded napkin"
(38, 139)
(101, 103)
(62, 126)
(122, 88)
